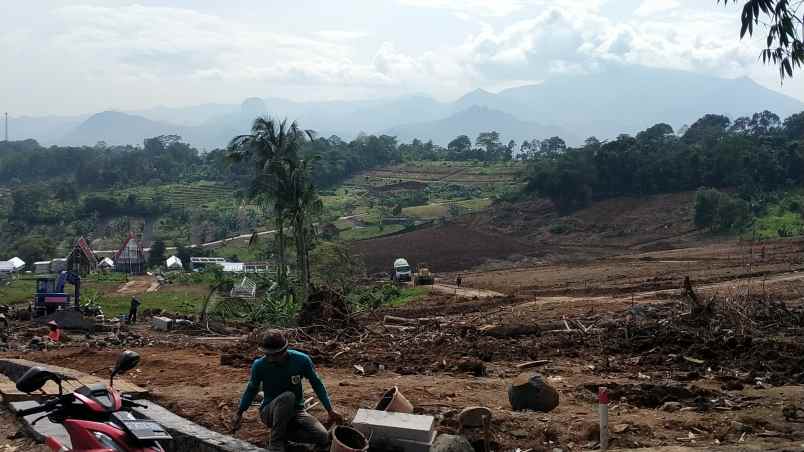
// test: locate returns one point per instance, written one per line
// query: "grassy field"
(201, 194)
(180, 298)
(409, 294)
(240, 250)
(441, 209)
(370, 232)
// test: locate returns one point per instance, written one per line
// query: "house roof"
(124, 247)
(82, 245)
(17, 262)
(6, 266)
(173, 262)
(106, 262)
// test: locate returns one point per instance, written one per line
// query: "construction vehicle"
(424, 277)
(401, 271)
(50, 296)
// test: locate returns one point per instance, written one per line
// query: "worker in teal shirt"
(280, 372)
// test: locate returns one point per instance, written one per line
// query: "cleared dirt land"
(628, 327)
(603, 304)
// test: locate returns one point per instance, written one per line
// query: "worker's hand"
(333, 418)
(237, 420)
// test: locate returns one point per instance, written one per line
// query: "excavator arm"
(74, 280)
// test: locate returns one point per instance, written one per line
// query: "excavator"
(424, 276)
(50, 296)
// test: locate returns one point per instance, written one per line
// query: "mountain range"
(619, 99)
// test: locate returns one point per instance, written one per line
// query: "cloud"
(652, 7)
(159, 43)
(340, 35)
(498, 8)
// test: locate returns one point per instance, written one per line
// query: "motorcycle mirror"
(35, 378)
(125, 362)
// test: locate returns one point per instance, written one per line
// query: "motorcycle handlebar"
(47, 406)
(34, 410)
(132, 403)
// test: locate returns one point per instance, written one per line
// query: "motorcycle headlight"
(107, 441)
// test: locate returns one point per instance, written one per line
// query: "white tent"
(174, 263)
(106, 263)
(18, 263)
(6, 267)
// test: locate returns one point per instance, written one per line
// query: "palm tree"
(271, 145)
(306, 205)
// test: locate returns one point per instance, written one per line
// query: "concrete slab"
(13, 369)
(394, 426)
(42, 429)
(188, 436)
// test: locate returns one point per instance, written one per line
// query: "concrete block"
(162, 323)
(42, 429)
(189, 436)
(383, 425)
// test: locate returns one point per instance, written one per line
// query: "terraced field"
(458, 173)
(185, 195)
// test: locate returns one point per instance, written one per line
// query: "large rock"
(532, 393)
(452, 443)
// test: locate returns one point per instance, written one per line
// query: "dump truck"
(424, 277)
(401, 271)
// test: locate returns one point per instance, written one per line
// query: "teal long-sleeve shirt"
(276, 378)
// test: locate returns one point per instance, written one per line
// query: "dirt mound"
(450, 247)
(624, 222)
(648, 395)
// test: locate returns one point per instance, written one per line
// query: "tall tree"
(157, 254)
(266, 146)
(283, 178)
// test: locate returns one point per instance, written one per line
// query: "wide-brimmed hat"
(274, 343)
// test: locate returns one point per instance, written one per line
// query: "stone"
(474, 416)
(161, 323)
(671, 407)
(519, 434)
(451, 443)
(590, 431)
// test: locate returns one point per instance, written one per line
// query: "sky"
(82, 56)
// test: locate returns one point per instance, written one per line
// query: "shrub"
(720, 211)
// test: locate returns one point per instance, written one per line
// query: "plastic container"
(347, 439)
(393, 401)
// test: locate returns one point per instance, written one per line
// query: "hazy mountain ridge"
(605, 104)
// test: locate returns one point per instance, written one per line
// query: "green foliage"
(334, 266)
(755, 154)
(783, 217)
(34, 248)
(720, 211)
(374, 297)
(783, 44)
(156, 258)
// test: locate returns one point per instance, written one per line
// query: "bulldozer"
(424, 277)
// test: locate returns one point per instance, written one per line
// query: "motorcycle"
(97, 418)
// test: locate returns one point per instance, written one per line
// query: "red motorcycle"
(97, 417)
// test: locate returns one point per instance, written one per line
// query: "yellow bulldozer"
(424, 277)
